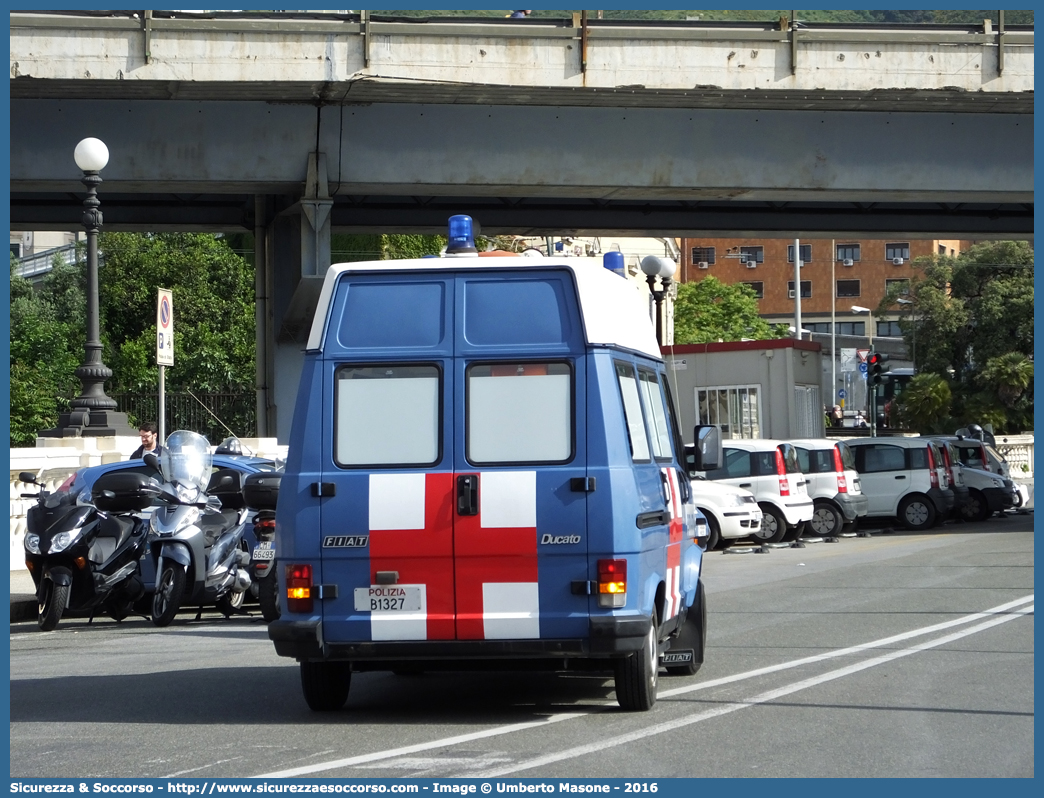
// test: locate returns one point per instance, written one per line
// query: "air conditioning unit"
(752, 264)
(790, 293)
(848, 262)
(703, 265)
(897, 261)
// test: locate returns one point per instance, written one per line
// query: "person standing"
(149, 441)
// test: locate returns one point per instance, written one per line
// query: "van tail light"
(933, 475)
(842, 481)
(612, 583)
(299, 588)
(781, 471)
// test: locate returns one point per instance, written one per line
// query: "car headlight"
(733, 500)
(998, 483)
(63, 540)
(32, 543)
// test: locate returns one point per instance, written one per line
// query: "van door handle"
(901, 476)
(655, 518)
(467, 494)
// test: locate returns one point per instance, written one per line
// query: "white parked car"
(732, 513)
(769, 469)
(904, 478)
(833, 484)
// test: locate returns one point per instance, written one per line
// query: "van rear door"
(454, 489)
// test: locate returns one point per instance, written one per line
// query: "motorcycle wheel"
(51, 607)
(268, 597)
(169, 591)
(231, 603)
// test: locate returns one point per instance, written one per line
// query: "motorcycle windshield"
(186, 459)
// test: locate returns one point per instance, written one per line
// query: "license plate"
(388, 598)
(264, 551)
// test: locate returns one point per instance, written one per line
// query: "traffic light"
(877, 368)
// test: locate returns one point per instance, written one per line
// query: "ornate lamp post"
(663, 268)
(92, 413)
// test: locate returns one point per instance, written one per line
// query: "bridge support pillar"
(296, 257)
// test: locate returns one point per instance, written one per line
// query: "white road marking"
(517, 727)
(726, 709)
(413, 749)
(844, 652)
(201, 767)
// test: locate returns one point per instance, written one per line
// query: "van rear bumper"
(610, 637)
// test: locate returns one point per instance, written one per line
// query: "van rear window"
(519, 412)
(406, 397)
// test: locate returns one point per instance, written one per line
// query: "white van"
(769, 469)
(732, 513)
(833, 484)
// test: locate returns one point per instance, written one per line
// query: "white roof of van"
(614, 309)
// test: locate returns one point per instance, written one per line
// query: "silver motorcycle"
(196, 532)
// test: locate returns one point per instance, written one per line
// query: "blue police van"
(485, 471)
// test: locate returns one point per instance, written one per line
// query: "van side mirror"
(705, 453)
(151, 460)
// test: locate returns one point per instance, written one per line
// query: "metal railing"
(210, 414)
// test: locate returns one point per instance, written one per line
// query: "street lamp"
(913, 323)
(92, 413)
(663, 268)
(861, 309)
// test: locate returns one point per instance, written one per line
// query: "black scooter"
(85, 557)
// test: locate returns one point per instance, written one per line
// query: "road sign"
(841, 393)
(862, 369)
(164, 328)
(862, 355)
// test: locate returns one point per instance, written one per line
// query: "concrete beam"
(590, 153)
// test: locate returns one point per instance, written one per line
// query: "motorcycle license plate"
(264, 551)
(388, 598)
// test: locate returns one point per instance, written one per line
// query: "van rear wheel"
(325, 685)
(637, 676)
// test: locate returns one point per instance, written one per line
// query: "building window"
(735, 408)
(806, 253)
(893, 251)
(759, 289)
(16, 250)
(806, 289)
(756, 254)
(942, 250)
(817, 326)
(848, 252)
(702, 255)
(904, 290)
(848, 288)
(851, 328)
(888, 329)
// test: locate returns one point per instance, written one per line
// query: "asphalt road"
(898, 655)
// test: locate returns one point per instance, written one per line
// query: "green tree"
(710, 310)
(972, 322)
(925, 404)
(213, 293)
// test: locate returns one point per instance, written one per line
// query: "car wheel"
(827, 520)
(976, 508)
(773, 525)
(916, 512)
(714, 538)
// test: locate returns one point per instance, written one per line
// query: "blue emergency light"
(461, 241)
(614, 262)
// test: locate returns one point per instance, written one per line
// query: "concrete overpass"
(294, 126)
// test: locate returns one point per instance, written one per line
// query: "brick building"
(863, 271)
